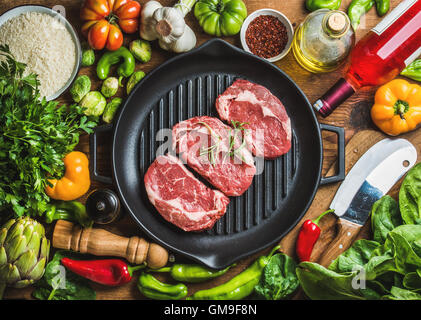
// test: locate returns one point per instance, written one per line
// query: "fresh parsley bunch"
(35, 136)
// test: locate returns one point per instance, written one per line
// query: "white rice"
(44, 44)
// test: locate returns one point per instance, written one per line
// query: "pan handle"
(341, 154)
(93, 154)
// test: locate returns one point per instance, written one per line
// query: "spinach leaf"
(357, 255)
(320, 283)
(410, 196)
(385, 216)
(278, 280)
(402, 294)
(59, 283)
(412, 280)
(400, 241)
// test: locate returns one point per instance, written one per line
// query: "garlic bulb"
(168, 26)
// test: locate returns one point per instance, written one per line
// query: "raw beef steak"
(215, 151)
(264, 114)
(180, 198)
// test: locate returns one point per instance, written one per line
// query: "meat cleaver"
(372, 176)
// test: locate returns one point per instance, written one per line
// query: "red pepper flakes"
(266, 36)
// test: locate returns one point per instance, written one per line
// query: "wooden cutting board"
(355, 148)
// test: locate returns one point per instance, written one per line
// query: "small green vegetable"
(152, 288)
(278, 280)
(385, 217)
(109, 87)
(192, 273)
(357, 9)
(382, 7)
(121, 56)
(410, 196)
(81, 86)
(239, 287)
(313, 5)
(220, 17)
(141, 50)
(59, 283)
(68, 210)
(134, 79)
(111, 109)
(88, 55)
(94, 103)
(413, 71)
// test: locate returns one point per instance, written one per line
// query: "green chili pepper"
(357, 9)
(126, 67)
(413, 71)
(239, 287)
(152, 288)
(192, 273)
(68, 210)
(314, 5)
(382, 7)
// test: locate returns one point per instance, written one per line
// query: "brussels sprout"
(109, 87)
(88, 55)
(134, 79)
(80, 88)
(111, 109)
(94, 103)
(141, 50)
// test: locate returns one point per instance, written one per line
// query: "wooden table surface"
(353, 115)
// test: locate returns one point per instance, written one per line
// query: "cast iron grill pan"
(185, 87)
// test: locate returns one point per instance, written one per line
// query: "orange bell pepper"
(76, 180)
(397, 107)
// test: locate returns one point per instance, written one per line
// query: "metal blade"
(372, 177)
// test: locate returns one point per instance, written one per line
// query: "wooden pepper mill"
(100, 242)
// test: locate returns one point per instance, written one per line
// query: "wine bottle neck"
(335, 96)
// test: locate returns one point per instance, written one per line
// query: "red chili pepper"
(309, 233)
(110, 272)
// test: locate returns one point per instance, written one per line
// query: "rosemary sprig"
(213, 150)
(238, 127)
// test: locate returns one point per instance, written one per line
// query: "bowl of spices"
(267, 33)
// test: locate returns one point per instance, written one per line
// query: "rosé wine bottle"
(380, 56)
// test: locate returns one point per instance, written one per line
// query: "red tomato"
(129, 25)
(98, 34)
(119, 3)
(99, 6)
(130, 10)
(104, 21)
(115, 38)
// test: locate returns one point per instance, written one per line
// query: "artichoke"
(24, 251)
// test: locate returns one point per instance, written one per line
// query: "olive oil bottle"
(323, 40)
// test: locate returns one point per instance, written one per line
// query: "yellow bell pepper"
(76, 180)
(397, 107)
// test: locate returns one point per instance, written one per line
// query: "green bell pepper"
(357, 9)
(413, 71)
(313, 5)
(382, 7)
(220, 17)
(122, 56)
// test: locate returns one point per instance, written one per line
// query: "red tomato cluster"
(106, 19)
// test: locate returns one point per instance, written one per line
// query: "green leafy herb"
(59, 283)
(410, 196)
(35, 136)
(385, 217)
(278, 280)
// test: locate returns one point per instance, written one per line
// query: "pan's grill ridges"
(196, 97)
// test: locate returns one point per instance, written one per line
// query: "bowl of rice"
(46, 42)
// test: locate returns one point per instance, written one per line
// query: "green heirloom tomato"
(94, 103)
(220, 17)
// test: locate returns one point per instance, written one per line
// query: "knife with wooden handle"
(372, 176)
